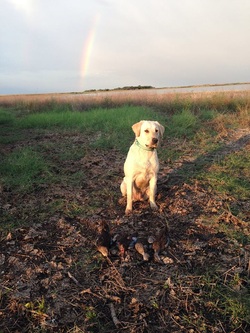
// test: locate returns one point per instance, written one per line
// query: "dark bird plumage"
(160, 242)
(104, 239)
(126, 242)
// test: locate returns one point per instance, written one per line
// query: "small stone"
(167, 260)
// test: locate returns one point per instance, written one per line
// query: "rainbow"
(88, 46)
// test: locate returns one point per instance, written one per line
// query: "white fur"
(141, 166)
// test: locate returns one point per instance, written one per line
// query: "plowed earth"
(53, 279)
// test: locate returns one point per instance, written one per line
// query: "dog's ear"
(137, 128)
(161, 128)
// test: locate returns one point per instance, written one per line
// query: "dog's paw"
(128, 211)
(122, 201)
(153, 206)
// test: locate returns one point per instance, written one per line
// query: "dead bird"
(103, 250)
(126, 242)
(160, 242)
(140, 249)
(134, 239)
(104, 239)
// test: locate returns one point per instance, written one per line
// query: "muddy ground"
(54, 279)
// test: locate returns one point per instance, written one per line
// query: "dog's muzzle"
(154, 141)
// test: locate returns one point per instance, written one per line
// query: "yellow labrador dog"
(141, 166)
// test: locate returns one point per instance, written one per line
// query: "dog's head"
(148, 133)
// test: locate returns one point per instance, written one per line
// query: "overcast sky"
(75, 45)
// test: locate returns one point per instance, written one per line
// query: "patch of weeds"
(205, 140)
(154, 303)
(6, 117)
(220, 303)
(69, 179)
(182, 124)
(226, 121)
(238, 235)
(119, 141)
(169, 154)
(8, 134)
(48, 120)
(104, 141)
(54, 206)
(74, 208)
(71, 153)
(243, 115)
(90, 262)
(114, 125)
(91, 121)
(75, 179)
(234, 306)
(205, 125)
(191, 124)
(37, 309)
(8, 220)
(90, 313)
(231, 175)
(22, 169)
(197, 321)
(207, 114)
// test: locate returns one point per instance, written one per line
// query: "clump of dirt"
(54, 279)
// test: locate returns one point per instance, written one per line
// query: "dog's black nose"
(154, 140)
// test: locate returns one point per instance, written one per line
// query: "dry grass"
(230, 100)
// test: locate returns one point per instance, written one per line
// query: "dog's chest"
(142, 163)
(147, 164)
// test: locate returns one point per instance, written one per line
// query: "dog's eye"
(156, 130)
(146, 131)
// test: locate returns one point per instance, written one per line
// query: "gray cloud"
(46, 44)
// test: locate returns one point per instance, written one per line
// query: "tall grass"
(109, 128)
(93, 120)
(22, 169)
(168, 102)
(182, 123)
(6, 117)
(231, 175)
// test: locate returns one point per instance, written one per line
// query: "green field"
(61, 165)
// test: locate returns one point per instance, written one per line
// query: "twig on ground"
(74, 279)
(88, 291)
(177, 260)
(222, 326)
(116, 321)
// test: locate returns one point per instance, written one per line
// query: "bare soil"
(53, 278)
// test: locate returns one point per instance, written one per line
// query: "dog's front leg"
(152, 192)
(129, 196)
